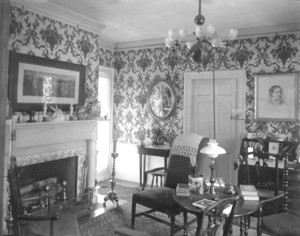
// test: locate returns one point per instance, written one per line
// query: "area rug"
(105, 224)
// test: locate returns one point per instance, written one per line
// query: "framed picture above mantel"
(34, 81)
(276, 96)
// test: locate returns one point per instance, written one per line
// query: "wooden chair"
(179, 167)
(286, 222)
(45, 224)
(216, 216)
(269, 185)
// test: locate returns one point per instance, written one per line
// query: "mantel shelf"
(58, 123)
(51, 133)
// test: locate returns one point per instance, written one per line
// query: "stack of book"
(182, 189)
(249, 192)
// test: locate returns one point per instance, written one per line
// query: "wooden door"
(199, 118)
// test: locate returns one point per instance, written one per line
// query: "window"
(105, 96)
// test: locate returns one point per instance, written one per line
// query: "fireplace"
(50, 163)
(62, 169)
(40, 142)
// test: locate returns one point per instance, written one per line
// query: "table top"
(153, 146)
(154, 150)
(242, 208)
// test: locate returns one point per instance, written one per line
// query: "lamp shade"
(212, 149)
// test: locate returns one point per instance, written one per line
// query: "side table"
(242, 210)
(151, 150)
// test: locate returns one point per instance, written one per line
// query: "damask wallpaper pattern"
(136, 69)
(41, 36)
(33, 34)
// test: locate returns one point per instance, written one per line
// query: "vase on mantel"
(81, 113)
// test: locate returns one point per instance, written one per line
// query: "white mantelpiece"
(51, 140)
(38, 139)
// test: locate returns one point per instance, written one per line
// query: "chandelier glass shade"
(206, 37)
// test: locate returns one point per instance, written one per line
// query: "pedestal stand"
(212, 177)
(112, 195)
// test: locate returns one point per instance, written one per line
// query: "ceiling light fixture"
(206, 36)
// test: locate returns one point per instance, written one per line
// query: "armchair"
(183, 149)
(286, 222)
(49, 224)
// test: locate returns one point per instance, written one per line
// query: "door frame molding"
(222, 74)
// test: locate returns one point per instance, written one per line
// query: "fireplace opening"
(62, 169)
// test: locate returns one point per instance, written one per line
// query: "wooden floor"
(97, 208)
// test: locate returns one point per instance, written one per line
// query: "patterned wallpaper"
(42, 36)
(136, 69)
(33, 34)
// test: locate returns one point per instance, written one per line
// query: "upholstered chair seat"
(281, 224)
(161, 199)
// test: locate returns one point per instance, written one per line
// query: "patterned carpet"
(104, 224)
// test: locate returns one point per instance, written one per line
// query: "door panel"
(199, 119)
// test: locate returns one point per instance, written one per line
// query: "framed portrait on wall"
(276, 97)
(34, 81)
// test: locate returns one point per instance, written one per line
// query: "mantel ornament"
(57, 115)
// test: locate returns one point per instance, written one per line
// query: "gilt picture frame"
(34, 81)
(276, 96)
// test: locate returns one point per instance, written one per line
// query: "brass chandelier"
(206, 37)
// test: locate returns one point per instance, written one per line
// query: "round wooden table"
(243, 209)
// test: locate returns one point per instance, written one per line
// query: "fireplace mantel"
(48, 137)
(47, 133)
(44, 140)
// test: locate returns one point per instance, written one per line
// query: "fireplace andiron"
(112, 195)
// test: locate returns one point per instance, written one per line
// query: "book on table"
(250, 198)
(182, 189)
(204, 203)
(249, 192)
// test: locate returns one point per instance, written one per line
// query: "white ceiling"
(128, 22)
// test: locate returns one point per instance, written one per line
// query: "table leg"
(242, 226)
(166, 161)
(184, 223)
(143, 177)
(141, 164)
(199, 225)
(230, 230)
(246, 226)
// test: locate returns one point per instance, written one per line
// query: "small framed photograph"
(276, 97)
(274, 147)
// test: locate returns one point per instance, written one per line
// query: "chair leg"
(156, 180)
(51, 227)
(152, 181)
(172, 229)
(133, 214)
